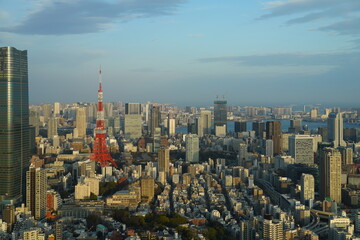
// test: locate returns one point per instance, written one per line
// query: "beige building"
(273, 229)
(330, 174)
(124, 199)
(307, 187)
(147, 188)
(81, 122)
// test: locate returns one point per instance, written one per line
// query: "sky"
(188, 52)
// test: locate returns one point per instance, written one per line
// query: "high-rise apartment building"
(56, 109)
(171, 126)
(273, 132)
(330, 174)
(164, 160)
(81, 122)
(155, 119)
(192, 148)
(46, 111)
(220, 113)
(301, 148)
(273, 229)
(14, 123)
(335, 129)
(36, 185)
(307, 184)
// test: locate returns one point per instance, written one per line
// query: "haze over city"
(253, 52)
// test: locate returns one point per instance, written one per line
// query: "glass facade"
(14, 122)
(220, 112)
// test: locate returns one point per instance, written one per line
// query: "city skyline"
(148, 51)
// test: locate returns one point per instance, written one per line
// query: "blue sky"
(189, 51)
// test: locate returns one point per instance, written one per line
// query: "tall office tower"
(295, 126)
(273, 229)
(171, 127)
(81, 122)
(301, 148)
(133, 120)
(147, 188)
(36, 185)
(52, 127)
(47, 111)
(56, 109)
(259, 128)
(346, 155)
(240, 126)
(14, 123)
(335, 129)
(273, 132)
(330, 174)
(243, 153)
(100, 152)
(205, 122)
(132, 108)
(307, 184)
(269, 148)
(164, 160)
(192, 148)
(155, 119)
(34, 121)
(220, 113)
(109, 110)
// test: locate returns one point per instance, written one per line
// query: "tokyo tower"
(100, 151)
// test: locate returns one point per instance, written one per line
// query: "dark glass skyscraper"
(220, 113)
(14, 122)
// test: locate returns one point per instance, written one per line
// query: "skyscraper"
(133, 121)
(155, 119)
(52, 127)
(205, 122)
(163, 160)
(307, 184)
(330, 174)
(220, 113)
(240, 126)
(301, 148)
(192, 148)
(295, 126)
(56, 109)
(14, 122)
(259, 128)
(81, 122)
(273, 132)
(335, 129)
(36, 185)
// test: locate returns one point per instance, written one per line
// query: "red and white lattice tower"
(100, 151)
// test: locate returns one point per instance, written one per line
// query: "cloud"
(60, 17)
(343, 14)
(347, 27)
(288, 59)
